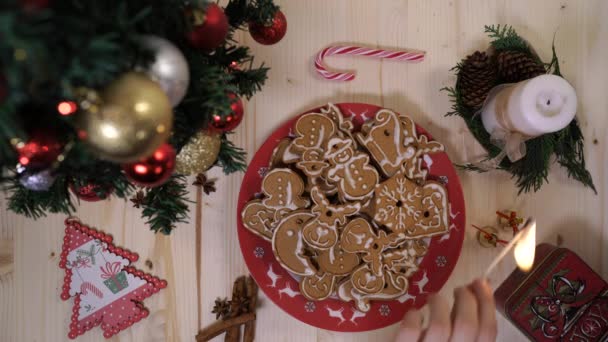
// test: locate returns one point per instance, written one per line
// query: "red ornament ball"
(153, 170)
(228, 122)
(91, 192)
(209, 29)
(40, 151)
(271, 33)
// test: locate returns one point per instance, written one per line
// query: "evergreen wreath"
(530, 172)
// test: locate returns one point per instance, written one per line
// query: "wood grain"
(201, 259)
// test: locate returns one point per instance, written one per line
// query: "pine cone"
(476, 77)
(516, 66)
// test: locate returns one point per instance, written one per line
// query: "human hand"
(473, 317)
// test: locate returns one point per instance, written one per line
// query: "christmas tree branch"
(166, 205)
(231, 158)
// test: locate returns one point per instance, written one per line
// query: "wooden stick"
(222, 326)
(6, 257)
(252, 294)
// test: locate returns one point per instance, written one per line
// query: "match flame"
(526, 246)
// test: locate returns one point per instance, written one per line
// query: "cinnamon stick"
(252, 294)
(222, 326)
(238, 293)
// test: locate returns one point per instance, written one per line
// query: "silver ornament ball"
(37, 180)
(170, 68)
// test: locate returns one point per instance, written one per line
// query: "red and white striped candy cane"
(401, 55)
(87, 287)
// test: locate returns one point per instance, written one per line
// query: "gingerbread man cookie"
(350, 169)
(288, 245)
(283, 189)
(312, 132)
(337, 261)
(322, 232)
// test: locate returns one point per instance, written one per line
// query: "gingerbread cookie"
(318, 286)
(312, 132)
(345, 126)
(313, 163)
(350, 169)
(406, 207)
(337, 261)
(389, 139)
(283, 189)
(281, 156)
(322, 232)
(259, 219)
(393, 143)
(288, 245)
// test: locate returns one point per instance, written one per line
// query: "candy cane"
(86, 287)
(402, 55)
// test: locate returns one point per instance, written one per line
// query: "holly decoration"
(209, 28)
(153, 170)
(476, 78)
(40, 150)
(516, 66)
(229, 122)
(271, 33)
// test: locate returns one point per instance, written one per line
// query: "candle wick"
(548, 102)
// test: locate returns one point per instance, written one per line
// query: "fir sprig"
(166, 205)
(530, 172)
(231, 158)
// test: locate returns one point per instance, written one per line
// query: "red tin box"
(560, 299)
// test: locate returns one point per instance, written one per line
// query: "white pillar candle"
(543, 104)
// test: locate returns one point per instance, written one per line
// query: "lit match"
(524, 243)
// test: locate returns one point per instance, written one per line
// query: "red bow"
(110, 270)
(551, 310)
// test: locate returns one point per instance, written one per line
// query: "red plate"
(333, 314)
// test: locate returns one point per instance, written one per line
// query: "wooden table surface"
(200, 260)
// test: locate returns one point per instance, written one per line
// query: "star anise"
(221, 308)
(207, 184)
(241, 303)
(138, 199)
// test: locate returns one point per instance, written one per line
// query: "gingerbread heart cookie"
(406, 207)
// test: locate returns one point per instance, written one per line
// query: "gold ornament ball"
(134, 118)
(199, 154)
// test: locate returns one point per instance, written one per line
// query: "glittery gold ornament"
(131, 120)
(198, 154)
